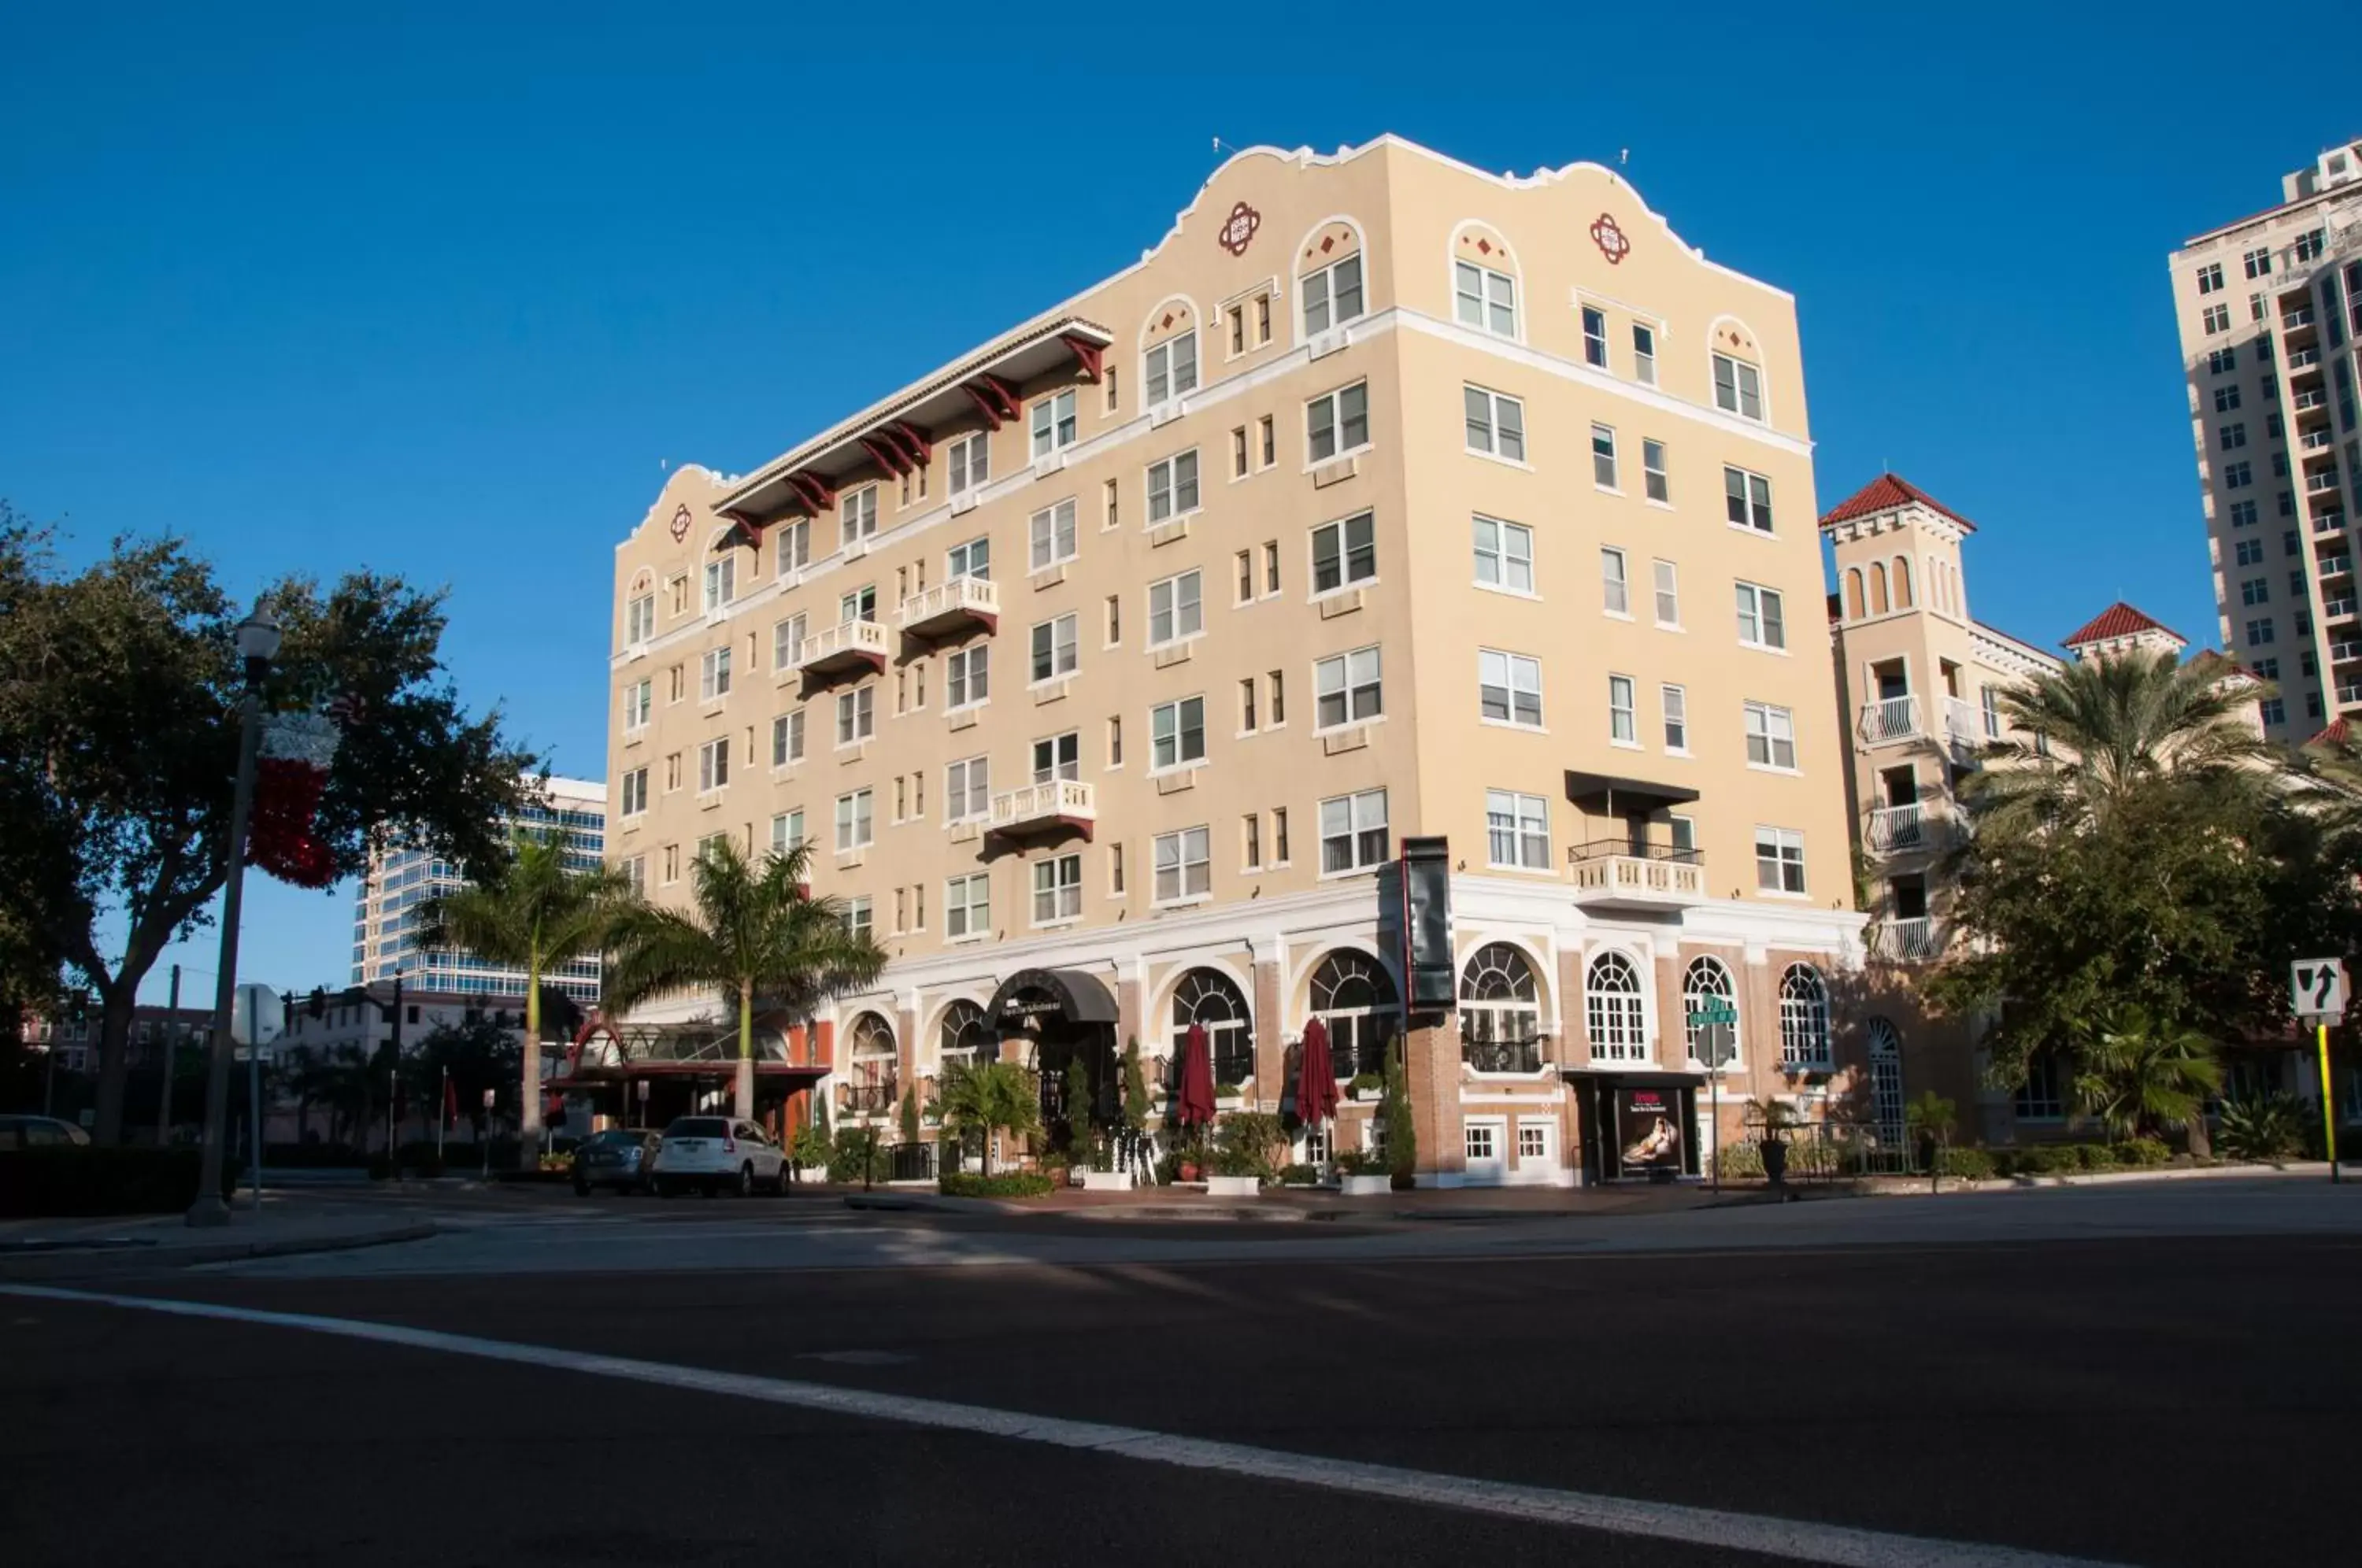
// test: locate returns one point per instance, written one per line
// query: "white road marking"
(1797, 1539)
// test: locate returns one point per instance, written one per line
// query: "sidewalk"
(1283, 1205)
(72, 1249)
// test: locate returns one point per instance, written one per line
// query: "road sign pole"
(1714, 1127)
(2328, 1101)
(254, 1087)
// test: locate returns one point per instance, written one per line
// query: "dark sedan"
(623, 1158)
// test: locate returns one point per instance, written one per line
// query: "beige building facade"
(1108, 666)
(2270, 315)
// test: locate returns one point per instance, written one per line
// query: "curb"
(72, 1264)
(2314, 1169)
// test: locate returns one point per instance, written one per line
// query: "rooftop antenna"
(1623, 158)
(1219, 145)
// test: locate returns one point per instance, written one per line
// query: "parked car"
(38, 1132)
(621, 1157)
(709, 1153)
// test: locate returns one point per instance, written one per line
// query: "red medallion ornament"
(1239, 232)
(1610, 239)
(680, 521)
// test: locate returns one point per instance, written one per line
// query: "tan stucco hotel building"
(1109, 665)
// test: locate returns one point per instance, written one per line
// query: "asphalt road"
(2154, 1399)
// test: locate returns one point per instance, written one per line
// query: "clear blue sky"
(440, 289)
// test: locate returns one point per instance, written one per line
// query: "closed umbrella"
(1316, 1079)
(1195, 1106)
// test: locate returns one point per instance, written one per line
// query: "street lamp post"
(258, 645)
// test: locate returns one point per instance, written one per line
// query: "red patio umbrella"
(1316, 1077)
(1196, 1103)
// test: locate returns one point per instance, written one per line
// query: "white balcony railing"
(2315, 441)
(1898, 828)
(959, 598)
(2322, 482)
(1962, 722)
(1905, 940)
(2338, 609)
(2349, 692)
(1889, 719)
(844, 641)
(2303, 359)
(1060, 801)
(2296, 319)
(2306, 402)
(2345, 650)
(1636, 879)
(2336, 566)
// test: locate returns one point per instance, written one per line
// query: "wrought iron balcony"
(848, 644)
(1061, 804)
(951, 606)
(1890, 719)
(1502, 1056)
(1616, 871)
(1905, 941)
(870, 1096)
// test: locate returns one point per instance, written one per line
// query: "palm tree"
(2138, 1074)
(754, 932)
(536, 913)
(2105, 731)
(989, 1096)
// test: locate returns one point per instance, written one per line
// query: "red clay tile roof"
(1886, 493)
(2118, 620)
(2334, 734)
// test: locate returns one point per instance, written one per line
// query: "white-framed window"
(787, 738)
(1058, 756)
(1653, 481)
(1171, 367)
(861, 604)
(1737, 387)
(970, 459)
(1644, 355)
(967, 676)
(1615, 1009)
(1173, 486)
(1595, 336)
(635, 792)
(972, 559)
(1771, 735)
(639, 619)
(1603, 457)
(1480, 1141)
(713, 675)
(635, 874)
(1176, 608)
(1676, 703)
(1353, 831)
(1052, 533)
(713, 763)
(2217, 319)
(857, 515)
(788, 831)
(1176, 733)
(1761, 622)
(2210, 277)
(1496, 424)
(1623, 724)
(794, 546)
(1331, 294)
(967, 790)
(1345, 689)
(1054, 423)
(856, 827)
(1505, 555)
(1185, 864)
(1804, 1018)
(1779, 860)
(1336, 423)
(639, 701)
(1616, 593)
(859, 917)
(1344, 553)
(721, 581)
(1747, 498)
(787, 641)
(1516, 830)
(710, 846)
(1510, 687)
(1707, 979)
(1058, 889)
(1668, 583)
(1054, 648)
(856, 714)
(1485, 299)
(967, 905)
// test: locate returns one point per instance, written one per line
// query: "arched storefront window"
(1707, 979)
(1354, 996)
(1886, 1080)
(1212, 999)
(1616, 1009)
(1500, 1012)
(961, 1039)
(871, 1087)
(1804, 1019)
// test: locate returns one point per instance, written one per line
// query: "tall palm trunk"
(745, 1096)
(529, 1068)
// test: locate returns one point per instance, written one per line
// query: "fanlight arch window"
(1886, 1080)
(1500, 1012)
(962, 1040)
(1804, 1018)
(1707, 979)
(1616, 1009)
(1212, 1000)
(870, 1086)
(1353, 995)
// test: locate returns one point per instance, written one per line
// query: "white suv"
(714, 1152)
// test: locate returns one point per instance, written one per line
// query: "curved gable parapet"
(692, 485)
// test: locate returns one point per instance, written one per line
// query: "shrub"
(1402, 1131)
(1300, 1176)
(1360, 1162)
(1367, 1083)
(1006, 1184)
(1230, 1161)
(1229, 1091)
(1965, 1164)
(2261, 1127)
(1739, 1160)
(89, 1180)
(853, 1147)
(1250, 1135)
(2138, 1151)
(1811, 1157)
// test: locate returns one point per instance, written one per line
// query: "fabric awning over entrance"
(1607, 793)
(1066, 994)
(1646, 1077)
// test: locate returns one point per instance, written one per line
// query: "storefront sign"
(1648, 1130)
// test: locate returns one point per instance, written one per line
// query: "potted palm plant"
(1778, 1116)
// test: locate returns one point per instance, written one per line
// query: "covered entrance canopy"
(1637, 1126)
(1063, 1016)
(1068, 995)
(680, 1063)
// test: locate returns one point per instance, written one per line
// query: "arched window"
(1878, 588)
(1212, 998)
(1500, 1012)
(1707, 979)
(871, 1083)
(1352, 995)
(1331, 284)
(1853, 593)
(1804, 1018)
(1934, 578)
(1903, 583)
(1886, 1081)
(961, 1039)
(1612, 1005)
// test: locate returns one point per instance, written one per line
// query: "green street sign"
(1714, 1012)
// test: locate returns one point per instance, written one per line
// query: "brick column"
(1432, 1068)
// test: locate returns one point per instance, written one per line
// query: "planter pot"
(1775, 1160)
(1365, 1185)
(1368, 1097)
(1106, 1181)
(1189, 1171)
(1235, 1102)
(1233, 1186)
